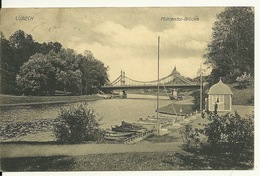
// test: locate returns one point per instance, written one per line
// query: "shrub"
(244, 80)
(230, 130)
(230, 143)
(190, 136)
(196, 99)
(77, 124)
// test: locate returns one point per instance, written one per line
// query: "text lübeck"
(24, 18)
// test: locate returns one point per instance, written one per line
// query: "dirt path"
(34, 150)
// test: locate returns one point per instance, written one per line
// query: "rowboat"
(118, 134)
(128, 127)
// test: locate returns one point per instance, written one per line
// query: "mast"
(200, 87)
(158, 77)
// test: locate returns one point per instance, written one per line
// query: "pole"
(158, 77)
(200, 87)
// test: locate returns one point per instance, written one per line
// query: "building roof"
(220, 89)
(177, 109)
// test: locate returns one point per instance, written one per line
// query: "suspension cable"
(155, 81)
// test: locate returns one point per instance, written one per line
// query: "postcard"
(127, 89)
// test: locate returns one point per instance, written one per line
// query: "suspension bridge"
(173, 80)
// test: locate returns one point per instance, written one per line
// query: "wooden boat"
(115, 138)
(128, 127)
(147, 121)
(118, 134)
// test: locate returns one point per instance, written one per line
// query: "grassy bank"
(9, 99)
(242, 96)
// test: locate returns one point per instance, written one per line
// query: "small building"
(220, 96)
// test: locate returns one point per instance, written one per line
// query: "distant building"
(220, 97)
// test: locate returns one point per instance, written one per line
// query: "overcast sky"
(123, 38)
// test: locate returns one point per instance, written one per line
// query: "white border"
(123, 3)
(154, 3)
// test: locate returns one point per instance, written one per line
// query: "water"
(112, 111)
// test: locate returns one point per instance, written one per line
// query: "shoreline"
(48, 103)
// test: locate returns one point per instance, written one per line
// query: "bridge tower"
(122, 80)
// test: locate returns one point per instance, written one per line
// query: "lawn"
(242, 96)
(144, 161)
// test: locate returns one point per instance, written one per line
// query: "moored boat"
(128, 127)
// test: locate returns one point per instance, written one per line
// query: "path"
(34, 150)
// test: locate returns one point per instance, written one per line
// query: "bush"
(196, 99)
(230, 143)
(230, 130)
(190, 136)
(77, 124)
(244, 80)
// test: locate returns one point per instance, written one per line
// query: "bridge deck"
(150, 86)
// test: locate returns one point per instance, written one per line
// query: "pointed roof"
(174, 71)
(220, 89)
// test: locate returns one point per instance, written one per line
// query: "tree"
(37, 76)
(45, 48)
(23, 46)
(94, 72)
(43, 74)
(7, 67)
(14, 52)
(77, 124)
(55, 68)
(231, 51)
(196, 99)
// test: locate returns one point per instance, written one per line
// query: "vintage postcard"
(127, 89)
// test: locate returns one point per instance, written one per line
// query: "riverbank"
(10, 100)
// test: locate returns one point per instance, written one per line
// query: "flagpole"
(158, 77)
(200, 87)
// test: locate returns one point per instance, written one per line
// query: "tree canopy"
(36, 68)
(231, 50)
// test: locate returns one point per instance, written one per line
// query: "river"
(112, 111)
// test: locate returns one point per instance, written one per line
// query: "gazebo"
(220, 96)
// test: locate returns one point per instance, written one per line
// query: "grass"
(242, 96)
(145, 161)
(9, 99)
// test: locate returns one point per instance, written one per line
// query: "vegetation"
(10, 99)
(244, 80)
(196, 99)
(77, 124)
(229, 130)
(145, 161)
(32, 68)
(242, 96)
(190, 136)
(231, 51)
(227, 136)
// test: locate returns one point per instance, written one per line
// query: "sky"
(124, 38)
